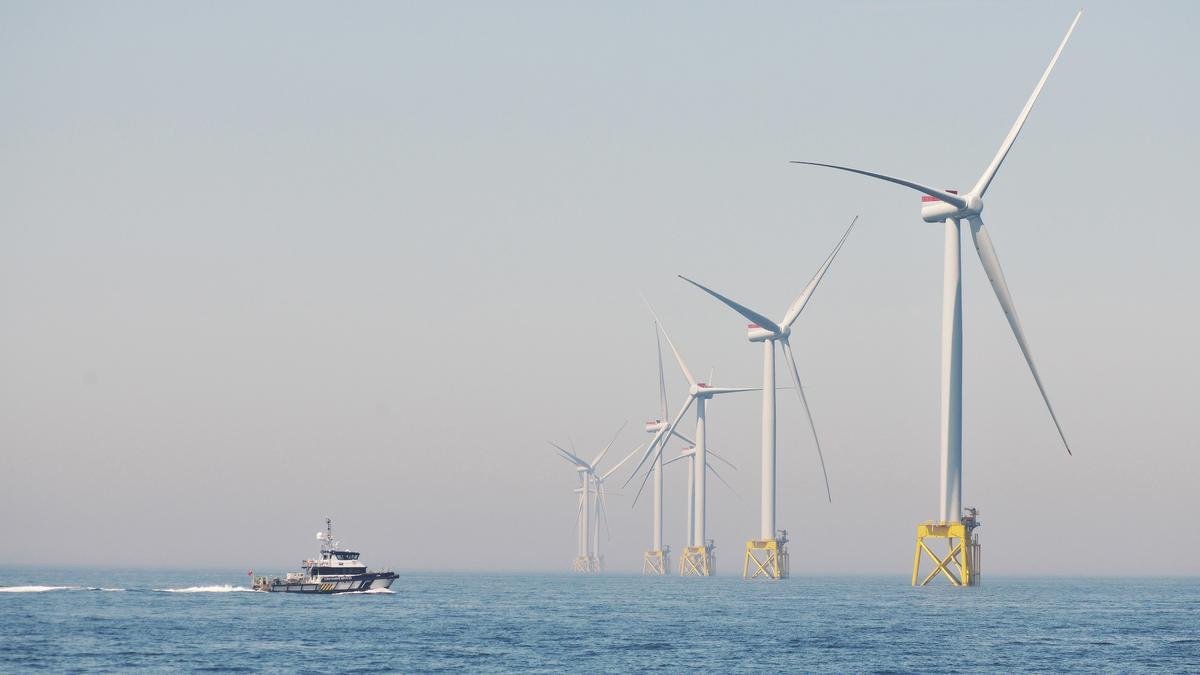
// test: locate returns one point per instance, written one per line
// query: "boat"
(335, 570)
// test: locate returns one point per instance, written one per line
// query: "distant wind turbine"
(697, 558)
(768, 332)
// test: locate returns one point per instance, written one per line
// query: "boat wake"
(44, 589)
(226, 588)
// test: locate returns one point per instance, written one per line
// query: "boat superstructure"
(334, 570)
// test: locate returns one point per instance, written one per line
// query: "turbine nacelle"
(655, 426)
(756, 333)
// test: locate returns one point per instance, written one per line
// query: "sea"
(94, 621)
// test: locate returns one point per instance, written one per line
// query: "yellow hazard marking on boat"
(326, 587)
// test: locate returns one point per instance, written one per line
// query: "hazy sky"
(263, 262)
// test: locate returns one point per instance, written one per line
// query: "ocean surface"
(90, 620)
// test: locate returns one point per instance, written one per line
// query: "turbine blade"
(662, 380)
(932, 192)
(622, 462)
(602, 508)
(596, 462)
(683, 438)
(762, 321)
(991, 265)
(989, 173)
(572, 456)
(721, 478)
(645, 479)
(727, 462)
(729, 390)
(791, 363)
(682, 366)
(675, 459)
(654, 444)
(793, 312)
(575, 527)
(663, 434)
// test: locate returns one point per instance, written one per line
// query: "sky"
(267, 262)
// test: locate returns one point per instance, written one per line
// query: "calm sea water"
(207, 621)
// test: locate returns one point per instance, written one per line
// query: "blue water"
(523, 623)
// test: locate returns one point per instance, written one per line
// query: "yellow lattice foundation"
(587, 563)
(960, 564)
(766, 558)
(657, 563)
(698, 561)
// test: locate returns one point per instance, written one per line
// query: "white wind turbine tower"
(769, 551)
(689, 454)
(697, 559)
(601, 510)
(587, 558)
(951, 208)
(657, 560)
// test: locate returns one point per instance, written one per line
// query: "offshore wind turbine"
(960, 565)
(658, 564)
(586, 559)
(689, 454)
(697, 559)
(602, 501)
(657, 560)
(769, 551)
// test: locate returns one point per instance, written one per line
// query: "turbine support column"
(656, 535)
(950, 507)
(585, 561)
(767, 556)
(700, 471)
(698, 559)
(657, 560)
(691, 501)
(767, 524)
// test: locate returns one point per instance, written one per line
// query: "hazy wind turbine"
(657, 559)
(689, 454)
(768, 332)
(700, 393)
(950, 207)
(602, 499)
(586, 560)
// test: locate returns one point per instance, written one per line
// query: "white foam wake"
(373, 591)
(226, 588)
(38, 589)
